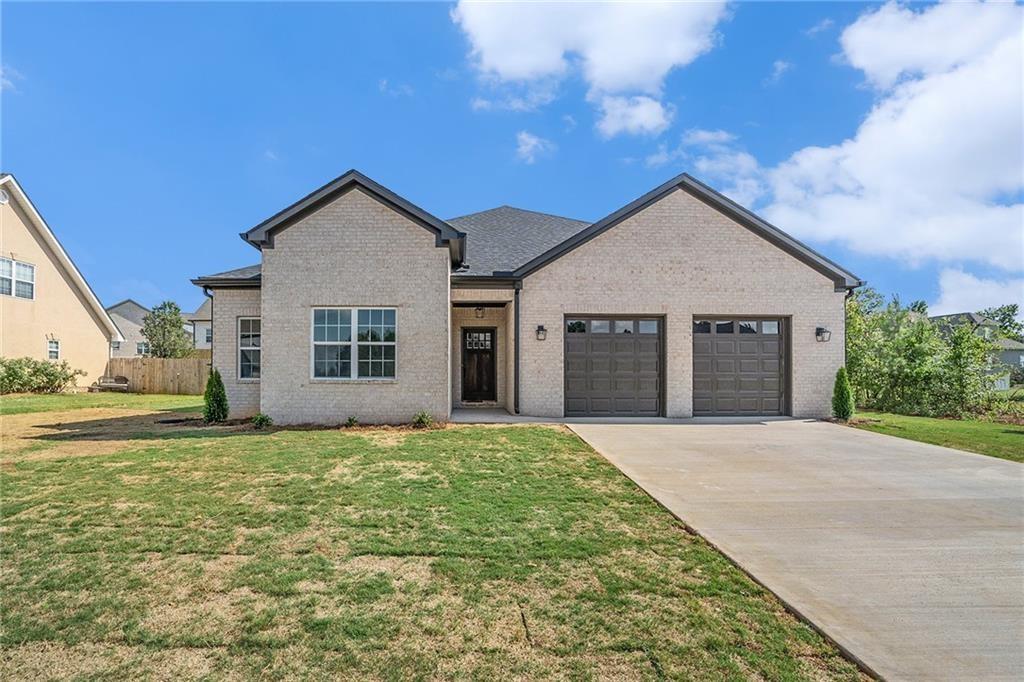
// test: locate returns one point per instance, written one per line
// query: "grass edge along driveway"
(995, 439)
(478, 552)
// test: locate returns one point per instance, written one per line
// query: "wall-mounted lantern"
(822, 335)
(542, 333)
(479, 312)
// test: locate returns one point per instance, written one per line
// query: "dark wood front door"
(479, 365)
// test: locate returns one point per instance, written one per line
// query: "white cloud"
(530, 146)
(395, 89)
(639, 115)
(779, 69)
(698, 137)
(962, 292)
(823, 25)
(714, 156)
(896, 41)
(622, 50)
(8, 76)
(570, 122)
(935, 170)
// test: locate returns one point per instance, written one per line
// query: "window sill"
(248, 381)
(327, 380)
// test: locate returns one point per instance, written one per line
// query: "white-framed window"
(142, 348)
(354, 343)
(53, 349)
(209, 335)
(17, 279)
(249, 344)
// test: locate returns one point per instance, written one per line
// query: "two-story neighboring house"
(128, 316)
(47, 309)
(1010, 352)
(201, 325)
(680, 303)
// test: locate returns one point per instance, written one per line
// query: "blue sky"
(150, 135)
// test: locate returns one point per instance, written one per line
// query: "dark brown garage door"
(738, 366)
(613, 366)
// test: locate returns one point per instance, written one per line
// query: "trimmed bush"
(262, 421)
(422, 420)
(215, 399)
(842, 396)
(25, 375)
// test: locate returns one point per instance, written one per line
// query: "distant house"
(47, 309)
(1011, 351)
(128, 315)
(200, 325)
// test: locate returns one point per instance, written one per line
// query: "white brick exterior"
(680, 258)
(228, 306)
(355, 251)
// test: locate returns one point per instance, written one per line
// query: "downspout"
(515, 407)
(213, 340)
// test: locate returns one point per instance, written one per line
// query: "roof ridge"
(524, 210)
(127, 300)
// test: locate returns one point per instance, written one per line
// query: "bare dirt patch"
(87, 432)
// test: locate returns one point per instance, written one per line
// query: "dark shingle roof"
(249, 275)
(501, 239)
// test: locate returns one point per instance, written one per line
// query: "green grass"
(471, 552)
(23, 403)
(995, 439)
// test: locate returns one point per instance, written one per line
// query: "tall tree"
(164, 328)
(1006, 316)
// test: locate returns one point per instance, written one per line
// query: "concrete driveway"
(910, 556)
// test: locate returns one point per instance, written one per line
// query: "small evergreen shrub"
(842, 396)
(215, 399)
(351, 422)
(262, 421)
(422, 420)
(26, 375)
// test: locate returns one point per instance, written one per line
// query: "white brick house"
(680, 303)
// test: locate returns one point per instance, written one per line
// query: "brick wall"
(228, 306)
(680, 258)
(355, 252)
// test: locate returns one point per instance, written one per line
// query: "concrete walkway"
(910, 556)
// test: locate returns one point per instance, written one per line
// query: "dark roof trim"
(227, 282)
(842, 278)
(496, 281)
(262, 236)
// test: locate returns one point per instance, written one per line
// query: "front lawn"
(996, 439)
(22, 403)
(469, 552)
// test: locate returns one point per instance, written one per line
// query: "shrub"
(26, 375)
(215, 399)
(422, 420)
(842, 396)
(351, 422)
(262, 421)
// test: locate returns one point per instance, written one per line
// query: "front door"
(479, 368)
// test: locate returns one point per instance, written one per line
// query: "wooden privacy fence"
(183, 376)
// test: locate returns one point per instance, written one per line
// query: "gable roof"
(262, 236)
(842, 278)
(246, 277)
(954, 319)
(504, 238)
(203, 312)
(10, 184)
(126, 302)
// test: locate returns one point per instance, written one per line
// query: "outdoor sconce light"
(479, 312)
(822, 334)
(542, 333)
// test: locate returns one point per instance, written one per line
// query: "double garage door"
(614, 366)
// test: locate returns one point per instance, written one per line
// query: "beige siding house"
(679, 304)
(47, 310)
(128, 316)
